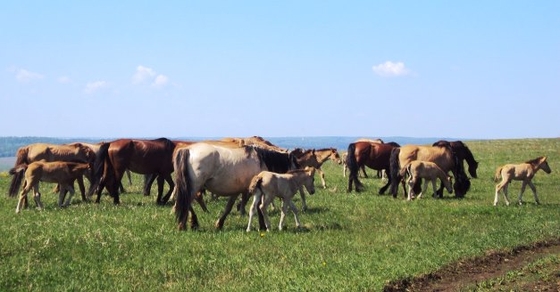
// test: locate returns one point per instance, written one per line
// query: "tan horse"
(417, 170)
(444, 157)
(523, 172)
(62, 173)
(267, 185)
(315, 158)
(52, 152)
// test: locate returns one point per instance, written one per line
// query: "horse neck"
(323, 155)
(468, 156)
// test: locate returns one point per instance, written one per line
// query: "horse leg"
(263, 206)
(532, 186)
(160, 181)
(364, 171)
(253, 209)
(37, 196)
(80, 180)
(71, 190)
(505, 190)
(303, 202)
(411, 183)
(22, 202)
(434, 187)
(148, 181)
(171, 184)
(523, 186)
(283, 212)
(384, 188)
(194, 218)
(295, 211)
(220, 223)
(322, 175)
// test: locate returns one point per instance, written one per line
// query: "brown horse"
(60, 172)
(523, 172)
(53, 152)
(427, 170)
(139, 156)
(373, 155)
(444, 157)
(224, 171)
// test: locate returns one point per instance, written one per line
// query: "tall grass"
(351, 242)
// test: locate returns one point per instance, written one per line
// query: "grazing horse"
(53, 152)
(523, 172)
(418, 170)
(315, 158)
(60, 172)
(267, 185)
(139, 156)
(372, 155)
(444, 157)
(463, 153)
(222, 170)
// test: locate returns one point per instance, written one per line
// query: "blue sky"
(112, 69)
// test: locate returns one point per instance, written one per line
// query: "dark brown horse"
(373, 155)
(444, 157)
(139, 156)
(463, 153)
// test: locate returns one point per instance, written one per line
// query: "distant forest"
(10, 145)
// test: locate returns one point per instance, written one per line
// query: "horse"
(315, 158)
(139, 156)
(463, 153)
(418, 169)
(222, 170)
(60, 172)
(444, 157)
(372, 155)
(523, 172)
(267, 185)
(53, 152)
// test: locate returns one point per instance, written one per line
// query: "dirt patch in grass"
(494, 264)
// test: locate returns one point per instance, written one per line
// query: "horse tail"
(182, 186)
(351, 161)
(394, 170)
(498, 174)
(404, 170)
(17, 171)
(256, 183)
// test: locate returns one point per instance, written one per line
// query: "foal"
(418, 169)
(524, 172)
(62, 173)
(267, 185)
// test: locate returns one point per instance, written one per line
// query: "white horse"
(267, 185)
(427, 170)
(524, 172)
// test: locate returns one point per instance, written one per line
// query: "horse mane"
(275, 161)
(536, 160)
(168, 144)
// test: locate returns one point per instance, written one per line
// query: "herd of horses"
(234, 167)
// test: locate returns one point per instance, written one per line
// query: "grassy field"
(351, 242)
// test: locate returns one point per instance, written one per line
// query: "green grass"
(352, 242)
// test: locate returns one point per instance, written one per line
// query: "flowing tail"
(353, 168)
(394, 170)
(404, 170)
(498, 174)
(182, 187)
(17, 172)
(256, 183)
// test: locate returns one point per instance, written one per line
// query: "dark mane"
(533, 161)
(275, 161)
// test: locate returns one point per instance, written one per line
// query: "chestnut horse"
(523, 172)
(224, 171)
(53, 152)
(140, 156)
(373, 155)
(444, 157)
(60, 172)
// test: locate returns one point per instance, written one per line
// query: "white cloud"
(64, 79)
(142, 74)
(23, 75)
(92, 87)
(160, 81)
(391, 69)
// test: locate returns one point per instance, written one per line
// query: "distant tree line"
(10, 145)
